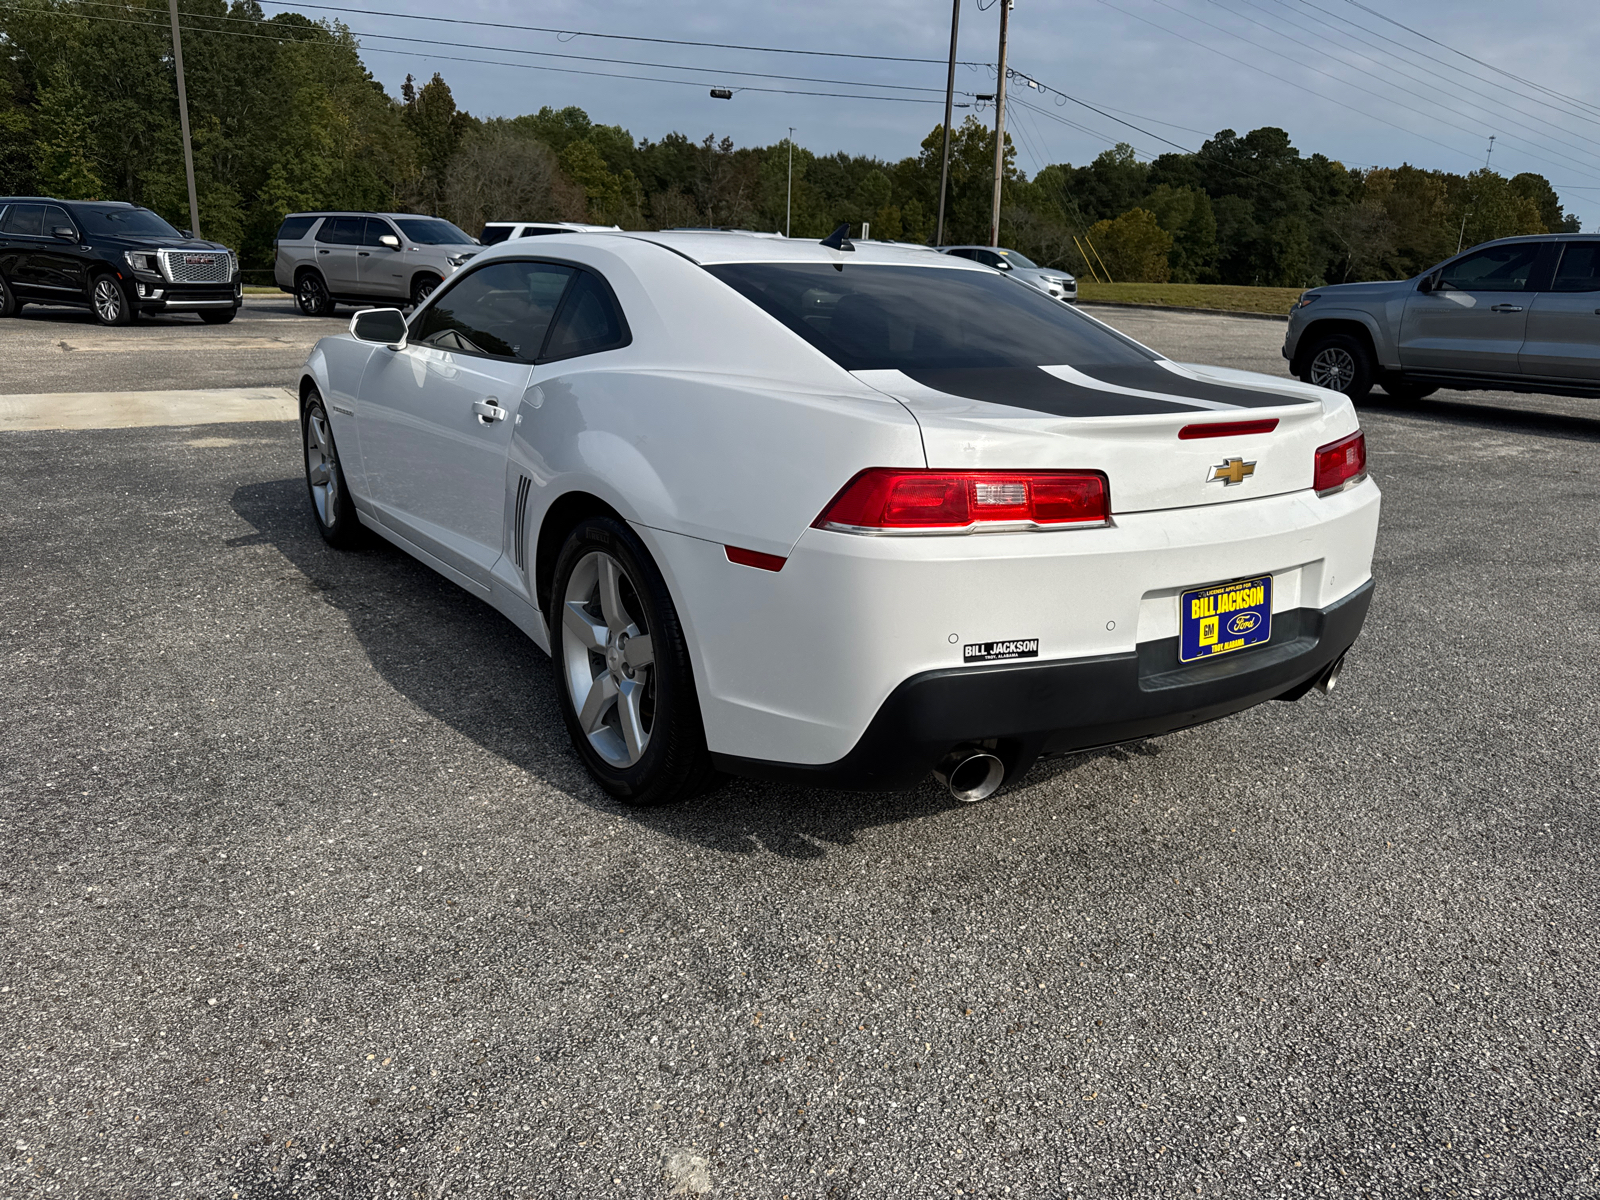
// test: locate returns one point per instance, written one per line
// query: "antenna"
(1489, 155)
(839, 239)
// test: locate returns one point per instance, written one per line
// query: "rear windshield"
(875, 318)
(294, 228)
(124, 222)
(427, 231)
(493, 235)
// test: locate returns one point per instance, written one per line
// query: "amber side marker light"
(1226, 429)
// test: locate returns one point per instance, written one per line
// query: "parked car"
(333, 258)
(116, 260)
(1520, 314)
(843, 514)
(1057, 284)
(495, 232)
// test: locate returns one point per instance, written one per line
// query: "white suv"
(495, 232)
(365, 258)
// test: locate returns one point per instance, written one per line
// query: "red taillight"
(885, 499)
(1341, 464)
(1226, 429)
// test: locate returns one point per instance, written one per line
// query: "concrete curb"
(1167, 308)
(122, 410)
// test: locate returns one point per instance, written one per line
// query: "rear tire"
(109, 301)
(331, 506)
(625, 679)
(312, 295)
(219, 316)
(1340, 362)
(10, 306)
(1401, 390)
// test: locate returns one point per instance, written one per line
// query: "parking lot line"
(120, 410)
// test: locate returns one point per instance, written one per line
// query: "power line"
(714, 73)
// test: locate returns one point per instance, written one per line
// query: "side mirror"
(385, 326)
(65, 232)
(390, 241)
(187, 233)
(1430, 283)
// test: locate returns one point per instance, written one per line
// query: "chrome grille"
(197, 266)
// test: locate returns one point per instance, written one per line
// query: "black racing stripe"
(1159, 379)
(1029, 387)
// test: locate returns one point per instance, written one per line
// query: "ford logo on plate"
(199, 260)
(1244, 622)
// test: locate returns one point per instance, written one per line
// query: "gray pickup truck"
(1520, 314)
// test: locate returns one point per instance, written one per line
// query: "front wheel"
(626, 685)
(331, 505)
(218, 316)
(422, 287)
(9, 305)
(311, 294)
(1341, 363)
(110, 302)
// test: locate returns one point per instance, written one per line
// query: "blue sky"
(1338, 77)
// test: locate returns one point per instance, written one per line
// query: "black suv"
(117, 260)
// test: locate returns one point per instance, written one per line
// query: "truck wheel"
(10, 306)
(110, 302)
(1341, 363)
(311, 294)
(422, 287)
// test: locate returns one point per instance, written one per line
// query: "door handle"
(488, 410)
(321, 251)
(363, 254)
(1506, 308)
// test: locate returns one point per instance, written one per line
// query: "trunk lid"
(1124, 421)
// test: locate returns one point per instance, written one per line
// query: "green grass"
(251, 290)
(1274, 300)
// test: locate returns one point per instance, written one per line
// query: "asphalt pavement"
(306, 893)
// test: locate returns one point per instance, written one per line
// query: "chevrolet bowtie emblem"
(1232, 471)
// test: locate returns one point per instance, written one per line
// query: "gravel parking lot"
(306, 894)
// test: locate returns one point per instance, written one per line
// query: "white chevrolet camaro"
(843, 515)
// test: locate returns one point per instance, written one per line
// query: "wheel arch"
(1326, 327)
(419, 275)
(559, 519)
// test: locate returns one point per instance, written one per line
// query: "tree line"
(285, 116)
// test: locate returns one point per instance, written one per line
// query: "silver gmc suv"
(365, 258)
(1521, 314)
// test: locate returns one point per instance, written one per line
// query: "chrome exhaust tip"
(971, 775)
(1330, 677)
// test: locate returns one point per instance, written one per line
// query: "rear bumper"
(1025, 710)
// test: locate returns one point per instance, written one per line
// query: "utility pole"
(999, 124)
(788, 199)
(183, 121)
(949, 115)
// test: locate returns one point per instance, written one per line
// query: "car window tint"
(376, 228)
(879, 317)
(25, 219)
(55, 217)
(1579, 270)
(341, 231)
(962, 252)
(294, 228)
(493, 235)
(589, 321)
(1495, 269)
(503, 309)
(429, 231)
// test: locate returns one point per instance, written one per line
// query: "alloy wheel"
(609, 659)
(108, 301)
(312, 296)
(322, 465)
(1334, 367)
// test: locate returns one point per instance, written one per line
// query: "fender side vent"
(519, 524)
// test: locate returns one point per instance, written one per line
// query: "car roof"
(709, 248)
(363, 212)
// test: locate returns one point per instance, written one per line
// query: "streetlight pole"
(788, 199)
(949, 115)
(183, 121)
(999, 125)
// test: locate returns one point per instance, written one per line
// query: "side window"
(341, 231)
(1496, 269)
(376, 227)
(963, 252)
(295, 228)
(1580, 268)
(24, 219)
(502, 309)
(55, 217)
(589, 322)
(493, 235)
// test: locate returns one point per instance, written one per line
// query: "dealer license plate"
(1227, 617)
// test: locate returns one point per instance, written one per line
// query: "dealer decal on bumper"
(994, 651)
